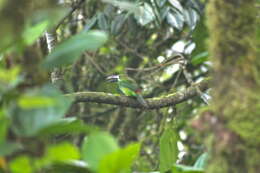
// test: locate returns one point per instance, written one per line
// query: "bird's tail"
(141, 100)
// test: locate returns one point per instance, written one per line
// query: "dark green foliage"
(43, 130)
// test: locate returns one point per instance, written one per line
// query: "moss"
(233, 46)
(215, 166)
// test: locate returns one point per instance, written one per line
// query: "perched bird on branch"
(127, 87)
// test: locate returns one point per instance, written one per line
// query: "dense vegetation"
(195, 61)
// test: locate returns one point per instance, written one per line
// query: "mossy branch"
(153, 103)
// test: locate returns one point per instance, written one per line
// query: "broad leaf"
(120, 161)
(7, 148)
(90, 23)
(66, 125)
(200, 58)
(201, 161)
(32, 33)
(176, 4)
(21, 164)
(145, 14)
(102, 22)
(29, 121)
(117, 23)
(191, 17)
(96, 146)
(177, 168)
(175, 20)
(73, 166)
(168, 150)
(70, 50)
(58, 153)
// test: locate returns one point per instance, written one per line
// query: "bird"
(127, 87)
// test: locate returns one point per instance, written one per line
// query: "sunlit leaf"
(21, 164)
(164, 11)
(168, 150)
(96, 146)
(58, 153)
(176, 20)
(177, 5)
(70, 50)
(28, 102)
(120, 161)
(4, 126)
(177, 168)
(2, 2)
(32, 33)
(9, 75)
(145, 14)
(9, 78)
(161, 2)
(191, 17)
(123, 5)
(72, 166)
(201, 161)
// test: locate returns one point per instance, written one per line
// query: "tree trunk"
(236, 93)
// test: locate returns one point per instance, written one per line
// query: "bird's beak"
(113, 78)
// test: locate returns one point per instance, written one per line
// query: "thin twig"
(69, 13)
(99, 69)
(188, 77)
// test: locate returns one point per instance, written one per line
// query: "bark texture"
(236, 103)
(153, 103)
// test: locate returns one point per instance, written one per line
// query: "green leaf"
(201, 161)
(191, 17)
(200, 58)
(120, 161)
(177, 168)
(117, 23)
(21, 164)
(176, 20)
(66, 125)
(28, 102)
(15, 40)
(102, 22)
(32, 33)
(4, 126)
(168, 150)
(73, 166)
(96, 146)
(177, 5)
(90, 23)
(7, 148)
(28, 121)
(2, 3)
(58, 153)
(70, 50)
(200, 35)
(145, 14)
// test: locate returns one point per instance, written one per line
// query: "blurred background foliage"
(49, 48)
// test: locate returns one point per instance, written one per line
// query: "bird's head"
(112, 78)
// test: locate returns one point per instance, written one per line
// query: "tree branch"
(153, 103)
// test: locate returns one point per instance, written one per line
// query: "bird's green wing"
(127, 91)
(128, 84)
